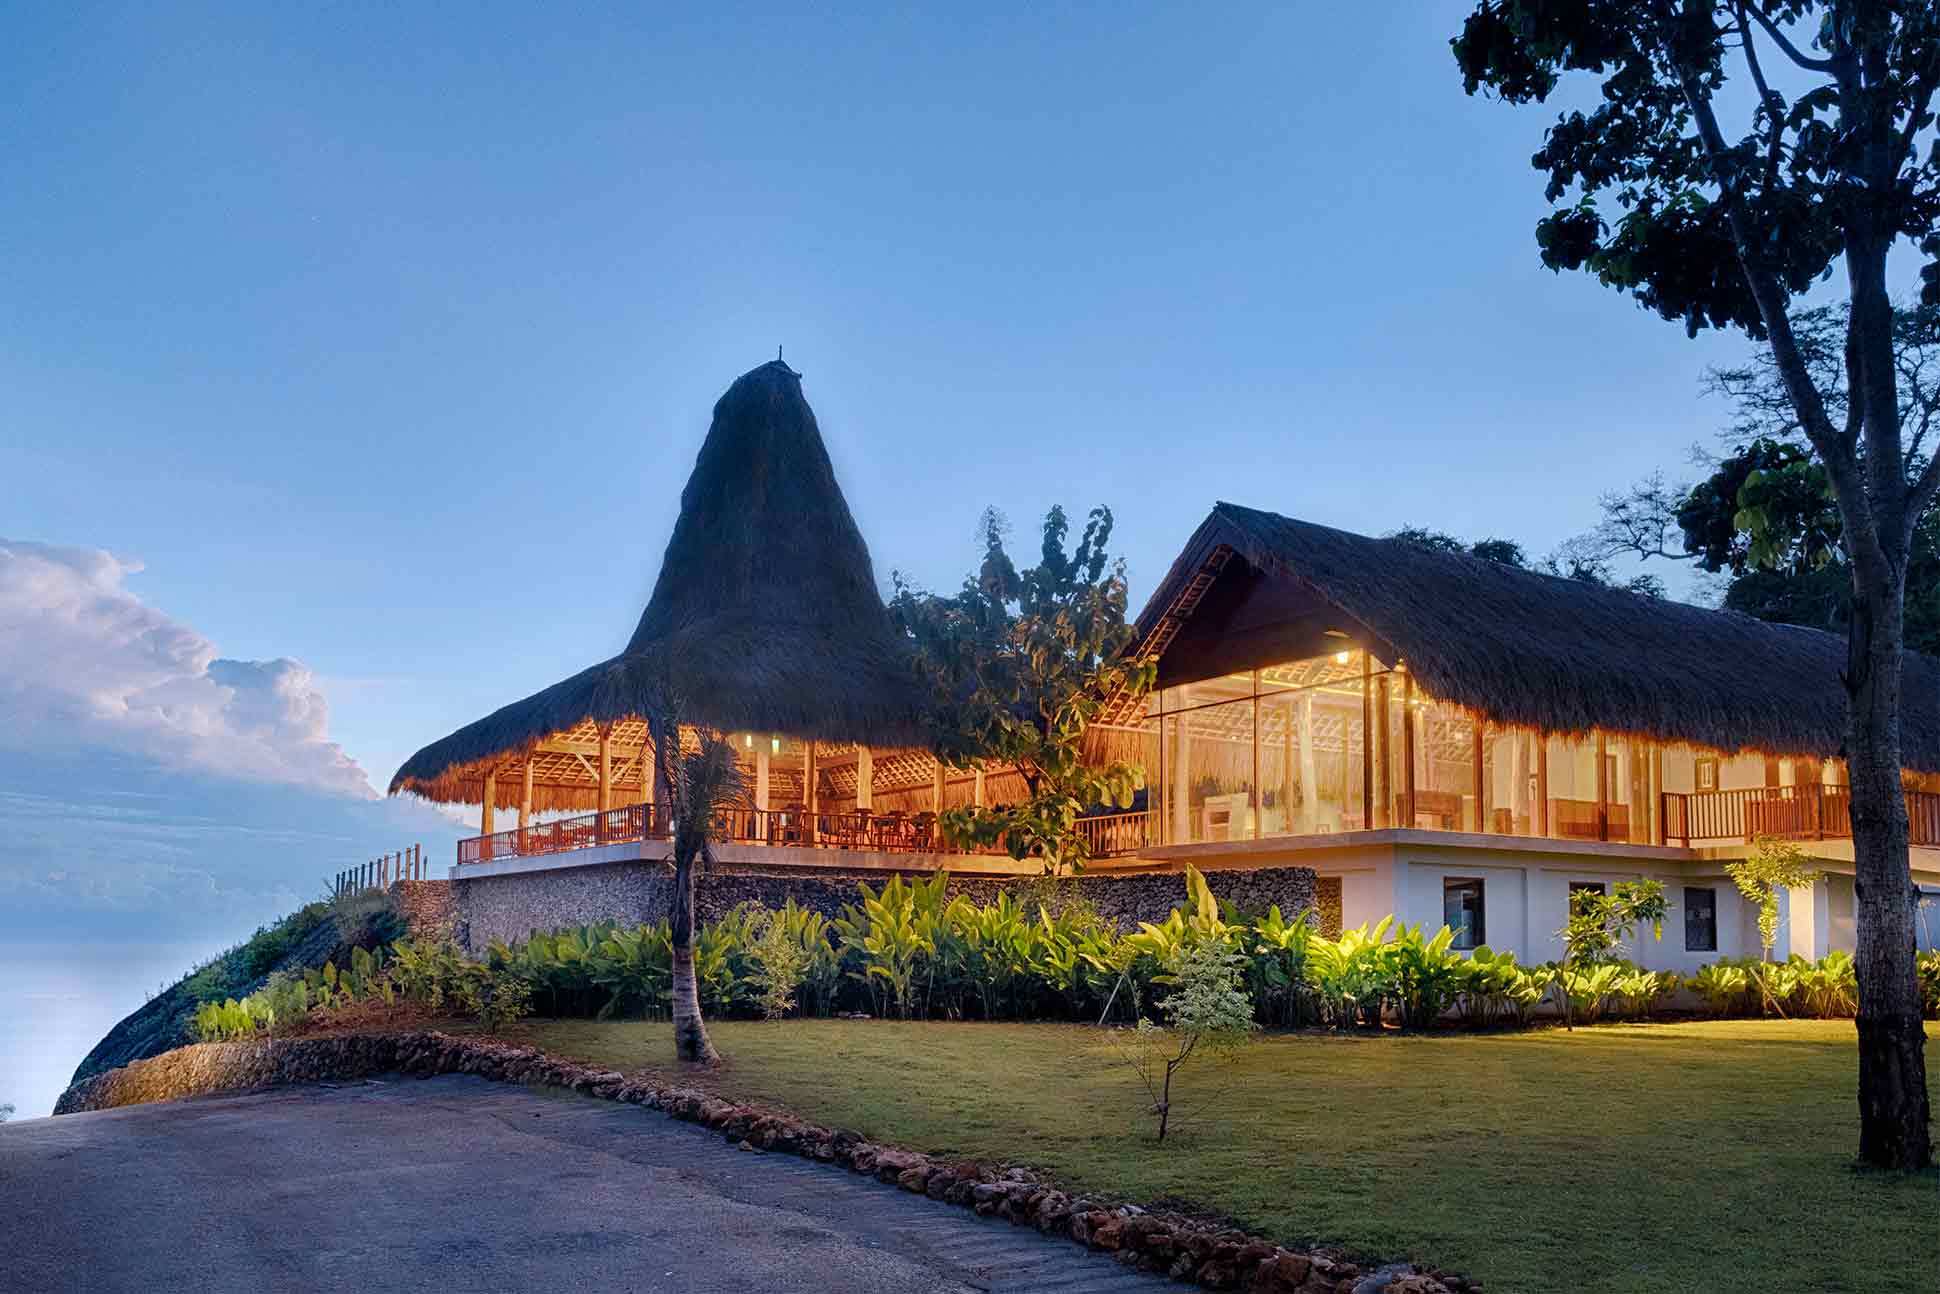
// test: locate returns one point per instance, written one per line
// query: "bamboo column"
(1602, 787)
(525, 802)
(606, 774)
(1481, 792)
(936, 788)
(865, 779)
(1542, 784)
(1309, 780)
(485, 813)
(1384, 753)
(811, 791)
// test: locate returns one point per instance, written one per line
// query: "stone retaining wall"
(426, 906)
(1185, 1248)
(512, 907)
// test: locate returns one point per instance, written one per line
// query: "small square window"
(1462, 911)
(1598, 888)
(1700, 919)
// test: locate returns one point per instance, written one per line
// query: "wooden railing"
(1809, 812)
(1113, 835)
(850, 829)
(380, 873)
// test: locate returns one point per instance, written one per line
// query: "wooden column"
(977, 787)
(1519, 782)
(1383, 754)
(1309, 774)
(485, 812)
(606, 771)
(811, 792)
(1481, 792)
(1602, 787)
(1656, 794)
(865, 779)
(936, 789)
(1542, 784)
(1367, 742)
(1409, 715)
(1258, 795)
(1181, 781)
(525, 800)
(761, 777)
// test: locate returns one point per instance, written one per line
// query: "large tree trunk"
(690, 1031)
(1893, 1107)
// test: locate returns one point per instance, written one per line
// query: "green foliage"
(1773, 865)
(1599, 923)
(780, 964)
(495, 995)
(1929, 968)
(1207, 1014)
(1022, 662)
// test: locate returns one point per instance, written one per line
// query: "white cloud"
(85, 664)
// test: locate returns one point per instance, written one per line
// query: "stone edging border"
(1177, 1246)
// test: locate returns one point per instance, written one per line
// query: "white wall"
(1525, 904)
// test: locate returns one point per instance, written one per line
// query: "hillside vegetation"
(307, 938)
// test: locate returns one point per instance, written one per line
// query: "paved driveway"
(455, 1184)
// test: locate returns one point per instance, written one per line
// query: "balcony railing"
(1111, 836)
(1809, 812)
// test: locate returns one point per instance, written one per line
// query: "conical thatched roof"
(1525, 649)
(765, 617)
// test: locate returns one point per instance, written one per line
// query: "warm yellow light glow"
(774, 745)
(1341, 657)
(748, 741)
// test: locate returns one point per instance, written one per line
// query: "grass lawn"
(1674, 1157)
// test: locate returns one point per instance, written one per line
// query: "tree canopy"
(1021, 663)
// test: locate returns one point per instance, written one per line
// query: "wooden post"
(811, 791)
(936, 788)
(1602, 787)
(525, 802)
(1182, 832)
(977, 785)
(865, 779)
(485, 815)
(1384, 753)
(1481, 792)
(1542, 783)
(1656, 794)
(761, 777)
(606, 774)
(1408, 719)
(1367, 741)
(1258, 796)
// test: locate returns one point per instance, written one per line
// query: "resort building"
(1454, 740)
(1436, 736)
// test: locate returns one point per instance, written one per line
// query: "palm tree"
(702, 785)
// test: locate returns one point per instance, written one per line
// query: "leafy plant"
(1207, 1014)
(780, 964)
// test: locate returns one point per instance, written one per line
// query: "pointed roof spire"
(765, 616)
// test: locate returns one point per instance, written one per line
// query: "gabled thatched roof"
(1525, 649)
(765, 617)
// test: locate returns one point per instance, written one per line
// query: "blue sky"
(376, 342)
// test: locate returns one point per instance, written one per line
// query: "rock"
(1251, 1254)
(915, 1179)
(1283, 1274)
(1109, 1234)
(1183, 1267)
(745, 1145)
(1217, 1275)
(1382, 1279)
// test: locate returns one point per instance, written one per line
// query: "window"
(1706, 774)
(1462, 911)
(1700, 920)
(1597, 888)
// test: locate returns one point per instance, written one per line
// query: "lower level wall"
(512, 907)
(426, 906)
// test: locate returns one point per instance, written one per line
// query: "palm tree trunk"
(690, 1031)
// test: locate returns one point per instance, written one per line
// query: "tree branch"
(1790, 50)
(1769, 103)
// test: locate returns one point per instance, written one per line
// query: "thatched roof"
(765, 617)
(1526, 650)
